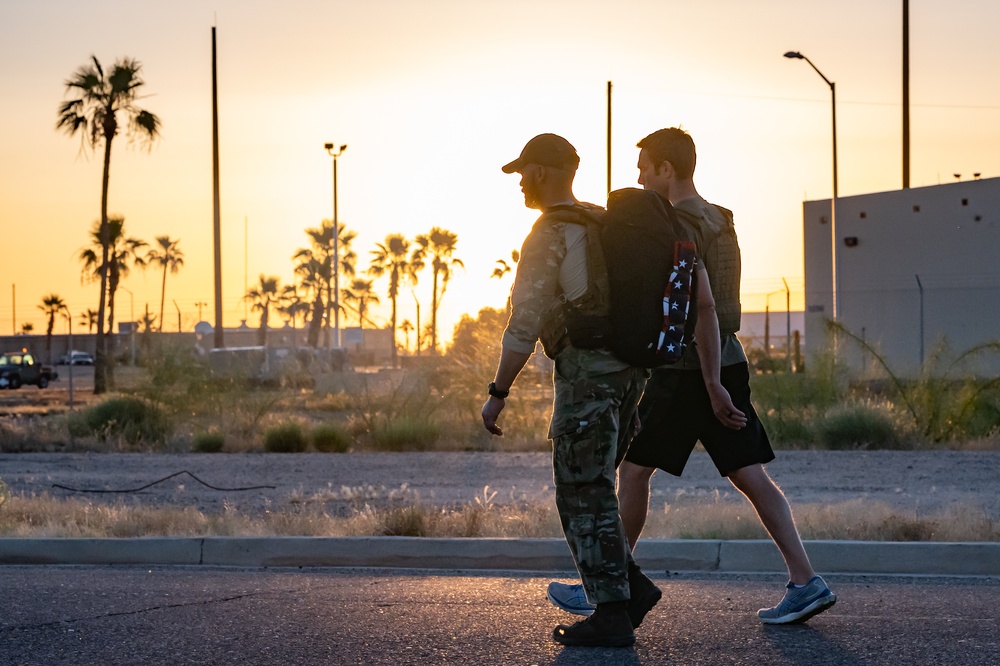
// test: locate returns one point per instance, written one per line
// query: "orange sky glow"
(432, 97)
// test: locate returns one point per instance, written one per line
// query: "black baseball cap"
(548, 150)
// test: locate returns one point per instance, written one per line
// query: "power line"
(774, 98)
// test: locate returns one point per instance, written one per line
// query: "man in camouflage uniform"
(595, 397)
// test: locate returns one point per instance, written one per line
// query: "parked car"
(21, 367)
(77, 358)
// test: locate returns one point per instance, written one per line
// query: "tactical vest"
(582, 322)
(719, 251)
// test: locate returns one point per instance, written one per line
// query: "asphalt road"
(98, 615)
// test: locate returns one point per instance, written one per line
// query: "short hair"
(672, 145)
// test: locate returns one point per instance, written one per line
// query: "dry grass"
(855, 520)
(44, 516)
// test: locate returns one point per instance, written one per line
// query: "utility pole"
(906, 94)
(200, 305)
(217, 218)
(609, 137)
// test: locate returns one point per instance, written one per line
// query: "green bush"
(330, 438)
(854, 426)
(285, 438)
(209, 442)
(405, 434)
(130, 419)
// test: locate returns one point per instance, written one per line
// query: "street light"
(833, 201)
(132, 324)
(330, 148)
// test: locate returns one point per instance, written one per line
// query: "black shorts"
(675, 412)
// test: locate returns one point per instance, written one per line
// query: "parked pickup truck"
(21, 367)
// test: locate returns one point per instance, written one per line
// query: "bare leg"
(633, 498)
(776, 516)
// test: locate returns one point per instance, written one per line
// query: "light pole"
(69, 360)
(833, 201)
(767, 321)
(335, 153)
(788, 324)
(418, 320)
(132, 324)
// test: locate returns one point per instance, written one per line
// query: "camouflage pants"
(595, 401)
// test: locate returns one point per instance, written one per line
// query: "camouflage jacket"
(552, 269)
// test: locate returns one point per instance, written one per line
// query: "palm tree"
(502, 267)
(262, 297)
(391, 258)
(440, 244)
(292, 304)
(361, 294)
(321, 252)
(52, 305)
(406, 327)
(168, 255)
(122, 254)
(27, 328)
(313, 278)
(92, 112)
(89, 319)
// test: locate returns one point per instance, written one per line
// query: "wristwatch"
(497, 393)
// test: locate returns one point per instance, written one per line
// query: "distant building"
(913, 266)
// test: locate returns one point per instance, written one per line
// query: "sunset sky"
(433, 96)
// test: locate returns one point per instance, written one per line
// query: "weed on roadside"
(285, 438)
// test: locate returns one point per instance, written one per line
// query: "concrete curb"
(848, 557)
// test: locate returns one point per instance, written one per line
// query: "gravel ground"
(923, 481)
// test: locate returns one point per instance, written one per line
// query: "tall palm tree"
(95, 100)
(262, 296)
(361, 294)
(89, 319)
(391, 257)
(440, 245)
(167, 255)
(122, 254)
(321, 251)
(52, 305)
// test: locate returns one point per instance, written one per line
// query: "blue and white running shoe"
(799, 604)
(570, 598)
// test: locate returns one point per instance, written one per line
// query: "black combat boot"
(609, 626)
(644, 595)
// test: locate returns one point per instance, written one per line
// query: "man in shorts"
(676, 412)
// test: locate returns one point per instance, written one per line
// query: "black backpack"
(648, 266)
